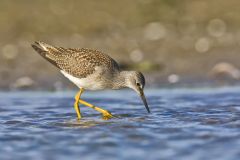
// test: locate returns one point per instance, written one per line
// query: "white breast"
(91, 82)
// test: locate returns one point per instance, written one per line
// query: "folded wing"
(78, 62)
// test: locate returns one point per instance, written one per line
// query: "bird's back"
(77, 62)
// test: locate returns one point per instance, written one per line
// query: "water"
(184, 124)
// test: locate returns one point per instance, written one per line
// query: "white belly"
(91, 82)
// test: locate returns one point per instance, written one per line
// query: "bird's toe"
(107, 115)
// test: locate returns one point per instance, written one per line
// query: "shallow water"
(184, 124)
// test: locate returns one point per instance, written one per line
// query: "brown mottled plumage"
(78, 62)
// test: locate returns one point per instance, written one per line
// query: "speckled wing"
(78, 62)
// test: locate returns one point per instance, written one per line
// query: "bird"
(91, 69)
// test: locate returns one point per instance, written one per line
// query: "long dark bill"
(144, 100)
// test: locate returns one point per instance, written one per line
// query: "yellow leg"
(76, 105)
(106, 114)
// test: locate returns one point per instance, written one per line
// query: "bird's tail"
(46, 51)
(42, 48)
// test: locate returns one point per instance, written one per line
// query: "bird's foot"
(106, 115)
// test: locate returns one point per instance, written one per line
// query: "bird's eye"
(138, 84)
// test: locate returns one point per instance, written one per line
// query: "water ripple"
(184, 124)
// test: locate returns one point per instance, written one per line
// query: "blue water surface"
(193, 124)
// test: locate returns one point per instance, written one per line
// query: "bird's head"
(136, 81)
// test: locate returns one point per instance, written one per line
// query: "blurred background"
(185, 43)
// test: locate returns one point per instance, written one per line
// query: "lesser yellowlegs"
(91, 70)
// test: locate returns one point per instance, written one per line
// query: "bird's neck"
(121, 80)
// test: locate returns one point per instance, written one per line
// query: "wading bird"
(91, 70)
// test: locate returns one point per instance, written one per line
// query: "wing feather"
(79, 62)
